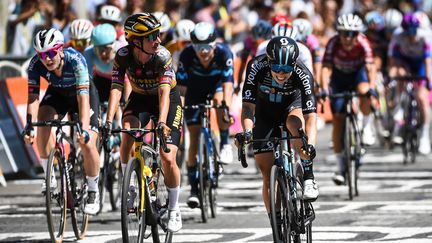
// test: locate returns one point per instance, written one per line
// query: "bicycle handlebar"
(227, 118)
(242, 145)
(51, 123)
(138, 133)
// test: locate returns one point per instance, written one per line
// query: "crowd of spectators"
(233, 18)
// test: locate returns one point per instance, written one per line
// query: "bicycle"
(291, 216)
(208, 168)
(145, 206)
(410, 129)
(71, 187)
(353, 147)
(110, 175)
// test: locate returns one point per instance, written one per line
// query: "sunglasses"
(50, 53)
(153, 36)
(411, 31)
(203, 47)
(281, 68)
(104, 49)
(349, 33)
(80, 42)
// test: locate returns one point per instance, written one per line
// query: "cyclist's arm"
(228, 75)
(311, 127)
(371, 72)
(83, 89)
(33, 106)
(117, 83)
(247, 115)
(326, 73)
(167, 81)
(182, 90)
(84, 110)
(164, 101)
(33, 85)
(428, 68)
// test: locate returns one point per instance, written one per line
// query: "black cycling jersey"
(261, 86)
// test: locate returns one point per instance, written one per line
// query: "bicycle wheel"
(301, 221)
(213, 166)
(79, 190)
(280, 211)
(159, 198)
(55, 196)
(133, 223)
(103, 155)
(114, 182)
(203, 182)
(349, 157)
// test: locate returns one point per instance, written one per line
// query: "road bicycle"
(291, 216)
(410, 129)
(353, 147)
(208, 167)
(69, 189)
(110, 175)
(144, 196)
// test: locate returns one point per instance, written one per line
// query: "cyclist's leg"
(362, 86)
(264, 163)
(194, 131)
(224, 92)
(424, 108)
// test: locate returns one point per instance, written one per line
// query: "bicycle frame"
(206, 131)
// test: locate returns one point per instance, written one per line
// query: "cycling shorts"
(65, 100)
(268, 118)
(415, 67)
(341, 82)
(144, 106)
(103, 88)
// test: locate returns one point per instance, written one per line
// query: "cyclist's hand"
(106, 130)
(243, 138)
(163, 128)
(372, 93)
(237, 89)
(309, 151)
(84, 137)
(28, 135)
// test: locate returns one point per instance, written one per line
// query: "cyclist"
(205, 68)
(166, 31)
(181, 39)
(348, 65)
(154, 92)
(410, 54)
(110, 14)
(69, 90)
(80, 33)
(279, 89)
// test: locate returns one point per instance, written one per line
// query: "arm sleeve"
(33, 76)
(328, 53)
(81, 74)
(228, 66)
(182, 75)
(89, 55)
(249, 93)
(305, 83)
(119, 69)
(167, 77)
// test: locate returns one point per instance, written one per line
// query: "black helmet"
(140, 25)
(282, 50)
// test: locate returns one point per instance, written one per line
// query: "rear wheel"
(114, 182)
(102, 178)
(159, 198)
(133, 223)
(79, 183)
(349, 138)
(55, 196)
(303, 223)
(213, 181)
(279, 206)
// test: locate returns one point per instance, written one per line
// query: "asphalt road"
(395, 205)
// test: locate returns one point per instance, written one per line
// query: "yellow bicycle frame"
(138, 155)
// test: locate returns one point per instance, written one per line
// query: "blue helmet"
(262, 29)
(103, 34)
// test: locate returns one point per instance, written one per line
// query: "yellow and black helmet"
(140, 25)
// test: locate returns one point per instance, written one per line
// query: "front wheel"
(203, 182)
(133, 223)
(114, 182)
(279, 206)
(56, 196)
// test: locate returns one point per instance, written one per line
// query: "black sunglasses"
(348, 33)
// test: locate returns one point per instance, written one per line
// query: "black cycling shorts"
(65, 100)
(148, 105)
(268, 117)
(103, 88)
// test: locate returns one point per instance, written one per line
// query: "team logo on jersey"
(248, 93)
(309, 103)
(123, 52)
(229, 62)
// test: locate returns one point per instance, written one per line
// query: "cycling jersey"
(201, 81)
(313, 44)
(95, 66)
(348, 61)
(275, 101)
(144, 78)
(61, 90)
(402, 48)
(74, 74)
(305, 55)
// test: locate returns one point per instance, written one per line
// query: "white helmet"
(392, 18)
(423, 18)
(285, 29)
(183, 29)
(47, 39)
(164, 20)
(81, 29)
(349, 22)
(304, 27)
(110, 13)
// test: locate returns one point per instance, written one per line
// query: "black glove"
(373, 93)
(163, 129)
(106, 130)
(323, 94)
(309, 150)
(243, 138)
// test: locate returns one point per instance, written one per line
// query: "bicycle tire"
(213, 180)
(133, 223)
(303, 232)
(348, 150)
(102, 178)
(203, 187)
(78, 181)
(114, 183)
(279, 200)
(56, 197)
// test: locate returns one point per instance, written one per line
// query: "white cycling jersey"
(305, 55)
